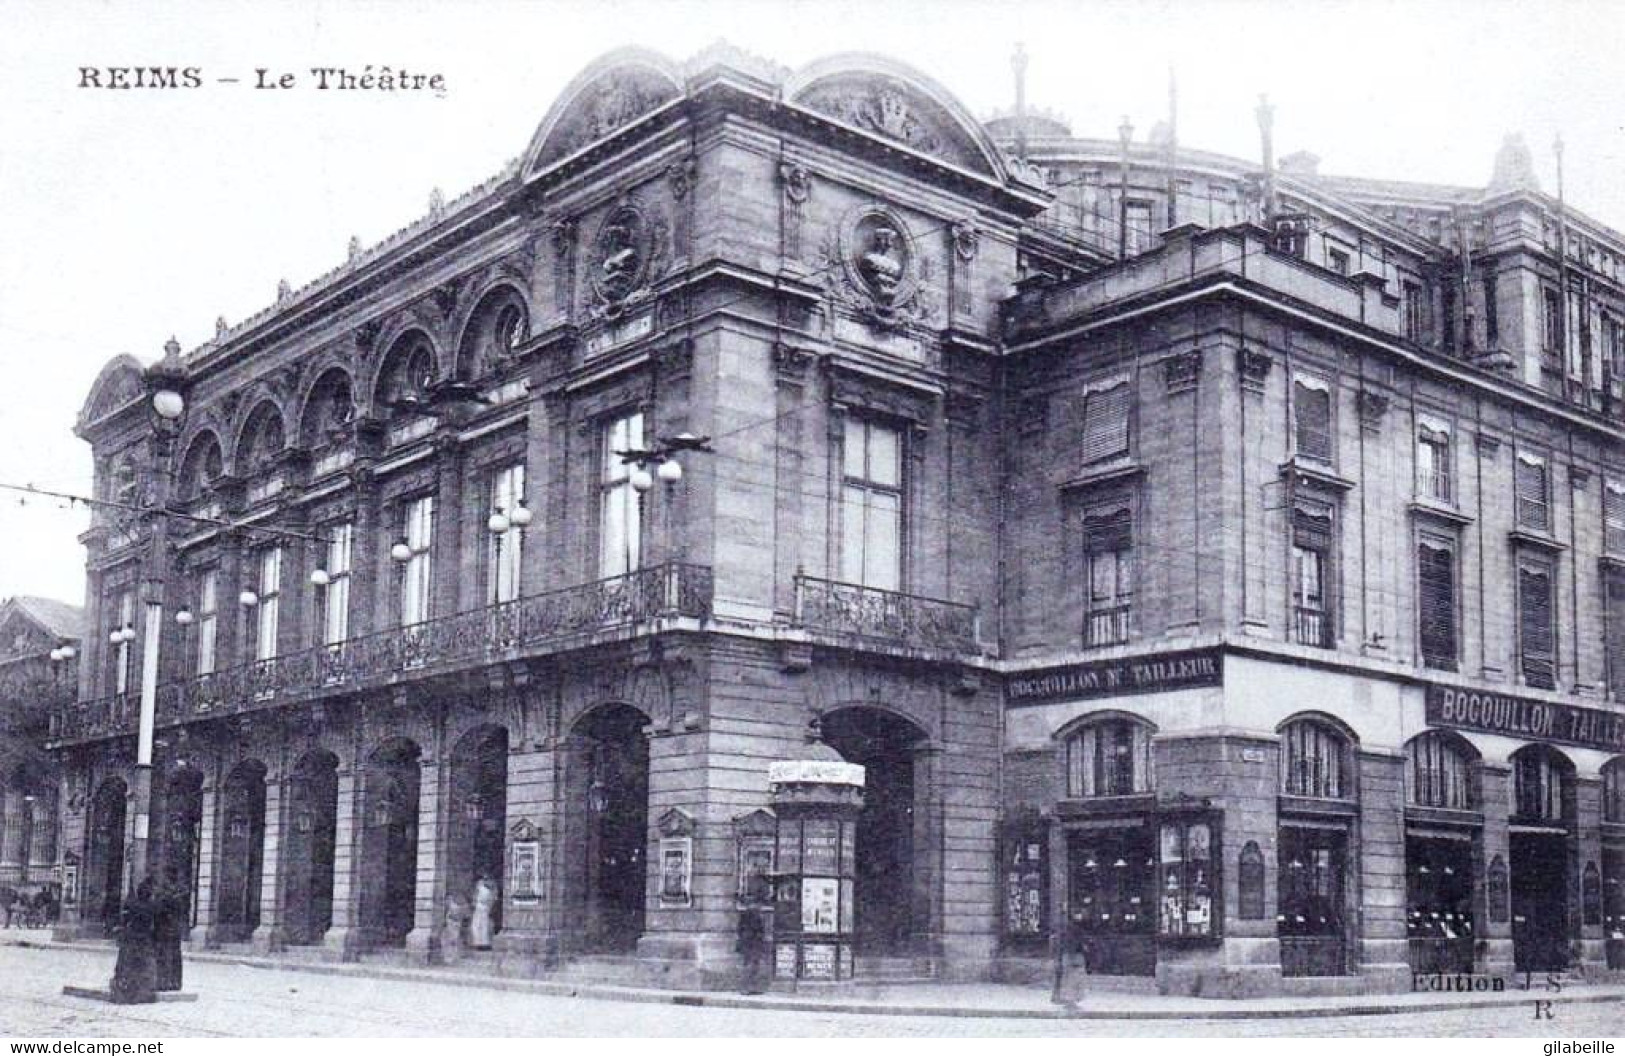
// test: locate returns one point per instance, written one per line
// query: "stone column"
(42, 848)
(423, 941)
(12, 827)
(1593, 944)
(208, 872)
(344, 937)
(269, 935)
(929, 830)
(1384, 953)
(529, 939)
(1492, 902)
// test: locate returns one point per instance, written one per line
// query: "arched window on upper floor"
(201, 467)
(1316, 759)
(496, 329)
(1109, 756)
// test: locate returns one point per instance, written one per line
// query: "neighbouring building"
(1218, 568)
(39, 671)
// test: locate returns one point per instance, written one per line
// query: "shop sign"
(1541, 720)
(1150, 674)
(815, 772)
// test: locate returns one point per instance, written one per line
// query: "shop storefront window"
(1113, 879)
(1187, 886)
(1439, 903)
(1313, 881)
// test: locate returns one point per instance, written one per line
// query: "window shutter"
(1105, 423)
(1436, 575)
(1613, 518)
(1535, 626)
(1529, 485)
(1615, 617)
(1312, 529)
(1108, 530)
(1312, 410)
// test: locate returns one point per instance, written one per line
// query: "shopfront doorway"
(1312, 920)
(479, 811)
(1111, 896)
(182, 832)
(104, 858)
(1439, 919)
(1540, 882)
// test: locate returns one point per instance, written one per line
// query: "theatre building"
(1211, 565)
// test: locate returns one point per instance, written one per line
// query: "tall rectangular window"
(1433, 479)
(1312, 617)
(122, 650)
(1312, 418)
(1138, 236)
(872, 504)
(336, 597)
(502, 556)
(1537, 638)
(620, 518)
(1436, 602)
(1415, 308)
(1613, 584)
(1492, 314)
(1108, 539)
(1613, 516)
(208, 619)
(1447, 315)
(1106, 422)
(1553, 331)
(416, 585)
(1531, 492)
(268, 611)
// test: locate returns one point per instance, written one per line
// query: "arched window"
(262, 440)
(1109, 757)
(495, 331)
(1613, 790)
(328, 410)
(1542, 783)
(1441, 772)
(1314, 760)
(408, 372)
(202, 467)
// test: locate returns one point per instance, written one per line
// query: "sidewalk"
(962, 1000)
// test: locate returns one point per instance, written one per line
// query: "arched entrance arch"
(607, 823)
(313, 810)
(892, 907)
(478, 813)
(242, 851)
(181, 835)
(389, 843)
(104, 856)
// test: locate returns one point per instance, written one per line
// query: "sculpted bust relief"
(882, 266)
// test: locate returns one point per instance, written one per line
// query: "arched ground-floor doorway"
(313, 793)
(478, 815)
(607, 823)
(387, 871)
(890, 914)
(104, 857)
(242, 851)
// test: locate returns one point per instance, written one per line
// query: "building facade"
(39, 643)
(1212, 566)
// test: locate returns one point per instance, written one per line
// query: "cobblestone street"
(249, 1000)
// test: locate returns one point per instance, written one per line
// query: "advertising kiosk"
(816, 800)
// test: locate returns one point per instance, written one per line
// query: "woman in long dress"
(479, 921)
(135, 974)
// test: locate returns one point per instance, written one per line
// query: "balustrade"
(886, 615)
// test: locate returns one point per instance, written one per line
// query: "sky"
(130, 216)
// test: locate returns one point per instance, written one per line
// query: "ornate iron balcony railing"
(886, 616)
(540, 623)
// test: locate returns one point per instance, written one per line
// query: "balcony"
(537, 625)
(868, 616)
(1311, 626)
(1107, 626)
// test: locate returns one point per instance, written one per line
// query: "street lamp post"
(166, 405)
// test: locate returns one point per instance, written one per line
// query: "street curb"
(793, 1004)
